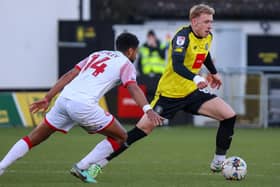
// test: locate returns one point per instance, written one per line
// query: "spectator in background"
(151, 63)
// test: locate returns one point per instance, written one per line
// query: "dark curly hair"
(125, 41)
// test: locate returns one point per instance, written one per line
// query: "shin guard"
(133, 135)
(224, 135)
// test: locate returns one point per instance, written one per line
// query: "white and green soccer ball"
(234, 168)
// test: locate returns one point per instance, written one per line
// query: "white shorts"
(66, 113)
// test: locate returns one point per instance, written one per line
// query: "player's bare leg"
(38, 135)
(145, 125)
(116, 132)
(142, 129)
(218, 109)
(116, 136)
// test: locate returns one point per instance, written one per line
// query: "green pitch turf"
(170, 157)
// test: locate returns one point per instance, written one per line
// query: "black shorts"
(168, 107)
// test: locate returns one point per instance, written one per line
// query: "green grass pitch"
(169, 157)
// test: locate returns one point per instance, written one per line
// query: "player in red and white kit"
(82, 87)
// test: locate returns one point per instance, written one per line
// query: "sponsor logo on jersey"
(178, 49)
(198, 61)
(180, 40)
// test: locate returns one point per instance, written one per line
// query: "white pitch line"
(45, 162)
(276, 164)
(37, 171)
(174, 173)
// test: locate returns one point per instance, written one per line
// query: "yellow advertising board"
(4, 118)
(23, 101)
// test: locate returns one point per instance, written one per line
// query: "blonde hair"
(199, 9)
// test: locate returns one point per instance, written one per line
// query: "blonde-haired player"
(182, 88)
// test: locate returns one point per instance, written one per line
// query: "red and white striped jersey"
(99, 72)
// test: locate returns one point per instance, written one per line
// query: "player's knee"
(122, 138)
(231, 120)
(146, 128)
(228, 125)
(230, 113)
(145, 125)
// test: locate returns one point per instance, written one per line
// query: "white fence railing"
(254, 95)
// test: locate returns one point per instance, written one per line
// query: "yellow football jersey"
(194, 51)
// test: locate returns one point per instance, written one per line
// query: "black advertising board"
(79, 39)
(263, 50)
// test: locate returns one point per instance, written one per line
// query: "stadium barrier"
(14, 108)
(254, 95)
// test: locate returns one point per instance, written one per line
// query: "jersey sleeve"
(128, 74)
(180, 44)
(81, 64)
(210, 65)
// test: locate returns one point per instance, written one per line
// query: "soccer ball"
(234, 168)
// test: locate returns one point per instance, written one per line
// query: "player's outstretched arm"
(64, 79)
(137, 94)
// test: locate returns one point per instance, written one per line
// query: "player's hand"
(200, 82)
(41, 104)
(215, 80)
(155, 118)
(202, 85)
